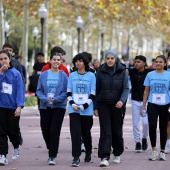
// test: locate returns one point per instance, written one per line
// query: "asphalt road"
(34, 154)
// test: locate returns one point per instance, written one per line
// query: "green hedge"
(30, 101)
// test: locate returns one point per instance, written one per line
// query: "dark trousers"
(153, 112)
(51, 120)
(111, 133)
(9, 127)
(80, 126)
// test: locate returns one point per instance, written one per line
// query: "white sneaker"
(116, 159)
(15, 154)
(162, 156)
(3, 160)
(104, 163)
(153, 155)
(167, 149)
(83, 148)
(51, 161)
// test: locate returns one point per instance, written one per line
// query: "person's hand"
(18, 112)
(50, 100)
(3, 68)
(143, 108)
(119, 104)
(75, 107)
(96, 113)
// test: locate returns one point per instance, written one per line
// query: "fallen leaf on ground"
(37, 146)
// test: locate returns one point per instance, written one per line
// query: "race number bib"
(158, 98)
(80, 98)
(6, 88)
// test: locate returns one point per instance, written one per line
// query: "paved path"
(34, 153)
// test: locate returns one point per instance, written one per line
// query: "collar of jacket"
(118, 65)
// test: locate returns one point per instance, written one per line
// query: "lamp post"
(63, 38)
(6, 28)
(35, 33)
(103, 29)
(42, 12)
(79, 25)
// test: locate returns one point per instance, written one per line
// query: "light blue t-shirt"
(81, 84)
(52, 82)
(159, 84)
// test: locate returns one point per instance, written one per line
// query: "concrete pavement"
(34, 154)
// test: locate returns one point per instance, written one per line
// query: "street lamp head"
(6, 26)
(63, 36)
(35, 31)
(79, 22)
(42, 11)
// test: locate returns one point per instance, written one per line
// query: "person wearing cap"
(111, 95)
(137, 76)
(62, 66)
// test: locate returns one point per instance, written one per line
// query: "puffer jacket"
(111, 88)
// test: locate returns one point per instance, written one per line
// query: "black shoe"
(144, 144)
(76, 162)
(138, 147)
(88, 159)
(20, 139)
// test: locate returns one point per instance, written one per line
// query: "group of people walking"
(103, 93)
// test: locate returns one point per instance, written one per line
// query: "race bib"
(158, 98)
(6, 88)
(80, 98)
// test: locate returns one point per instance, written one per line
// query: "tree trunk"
(25, 34)
(2, 37)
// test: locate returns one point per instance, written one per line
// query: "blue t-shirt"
(52, 82)
(159, 84)
(81, 84)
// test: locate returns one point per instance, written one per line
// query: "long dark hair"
(9, 56)
(82, 57)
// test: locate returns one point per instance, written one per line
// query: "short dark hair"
(58, 50)
(53, 54)
(141, 57)
(18, 56)
(82, 57)
(88, 55)
(7, 45)
(168, 55)
(8, 54)
(40, 53)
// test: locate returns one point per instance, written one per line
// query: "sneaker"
(153, 155)
(15, 154)
(104, 163)
(116, 159)
(3, 160)
(144, 144)
(162, 156)
(88, 159)
(76, 162)
(83, 148)
(138, 147)
(167, 149)
(51, 161)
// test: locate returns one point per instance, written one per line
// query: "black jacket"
(111, 87)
